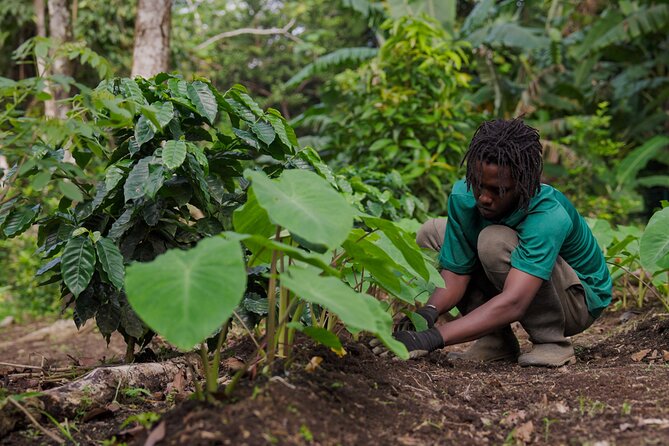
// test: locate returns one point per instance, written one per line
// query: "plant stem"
(271, 302)
(32, 419)
(215, 364)
(130, 351)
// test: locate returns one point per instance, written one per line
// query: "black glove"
(428, 312)
(418, 343)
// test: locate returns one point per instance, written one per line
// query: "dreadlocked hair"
(511, 144)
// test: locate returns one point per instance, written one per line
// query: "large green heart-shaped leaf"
(358, 311)
(78, 263)
(186, 295)
(111, 261)
(305, 204)
(654, 244)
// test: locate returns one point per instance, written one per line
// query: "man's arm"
(446, 298)
(508, 306)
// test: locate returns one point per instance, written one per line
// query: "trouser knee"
(431, 234)
(495, 245)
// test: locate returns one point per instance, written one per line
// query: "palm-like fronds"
(338, 58)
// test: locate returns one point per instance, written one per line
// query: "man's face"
(489, 201)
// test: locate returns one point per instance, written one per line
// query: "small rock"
(7, 321)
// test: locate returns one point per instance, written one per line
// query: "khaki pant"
(558, 309)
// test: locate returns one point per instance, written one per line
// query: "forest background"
(388, 94)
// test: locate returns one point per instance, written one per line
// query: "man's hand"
(418, 343)
(428, 312)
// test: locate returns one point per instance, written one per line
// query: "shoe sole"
(457, 356)
(569, 361)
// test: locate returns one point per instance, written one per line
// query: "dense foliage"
(169, 171)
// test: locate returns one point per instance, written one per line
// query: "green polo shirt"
(550, 226)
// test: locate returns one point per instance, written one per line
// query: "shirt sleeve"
(457, 253)
(540, 238)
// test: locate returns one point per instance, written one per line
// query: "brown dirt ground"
(616, 394)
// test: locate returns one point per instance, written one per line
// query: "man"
(513, 249)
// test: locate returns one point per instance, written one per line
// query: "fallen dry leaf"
(156, 435)
(524, 432)
(313, 364)
(561, 407)
(665, 355)
(662, 423)
(638, 356)
(514, 417)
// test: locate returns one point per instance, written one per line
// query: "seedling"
(547, 424)
(626, 409)
(306, 433)
(135, 392)
(144, 419)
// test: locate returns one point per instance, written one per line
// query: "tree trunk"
(40, 24)
(60, 31)
(152, 37)
(95, 391)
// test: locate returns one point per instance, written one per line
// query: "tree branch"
(257, 31)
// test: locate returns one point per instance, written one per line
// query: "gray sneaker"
(499, 346)
(548, 355)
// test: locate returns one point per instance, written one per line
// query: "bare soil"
(616, 394)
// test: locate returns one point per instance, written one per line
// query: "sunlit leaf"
(78, 263)
(174, 154)
(305, 204)
(111, 260)
(186, 295)
(358, 311)
(203, 100)
(654, 244)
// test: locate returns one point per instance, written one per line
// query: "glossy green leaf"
(203, 100)
(186, 295)
(174, 154)
(264, 132)
(70, 190)
(6, 208)
(358, 311)
(305, 204)
(40, 180)
(403, 241)
(376, 261)
(602, 231)
(654, 244)
(320, 335)
(111, 260)
(251, 218)
(262, 248)
(279, 126)
(160, 113)
(132, 90)
(630, 166)
(113, 176)
(78, 263)
(144, 130)
(20, 219)
(136, 183)
(122, 224)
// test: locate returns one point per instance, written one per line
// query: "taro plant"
(638, 258)
(319, 267)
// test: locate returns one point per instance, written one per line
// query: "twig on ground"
(22, 366)
(32, 419)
